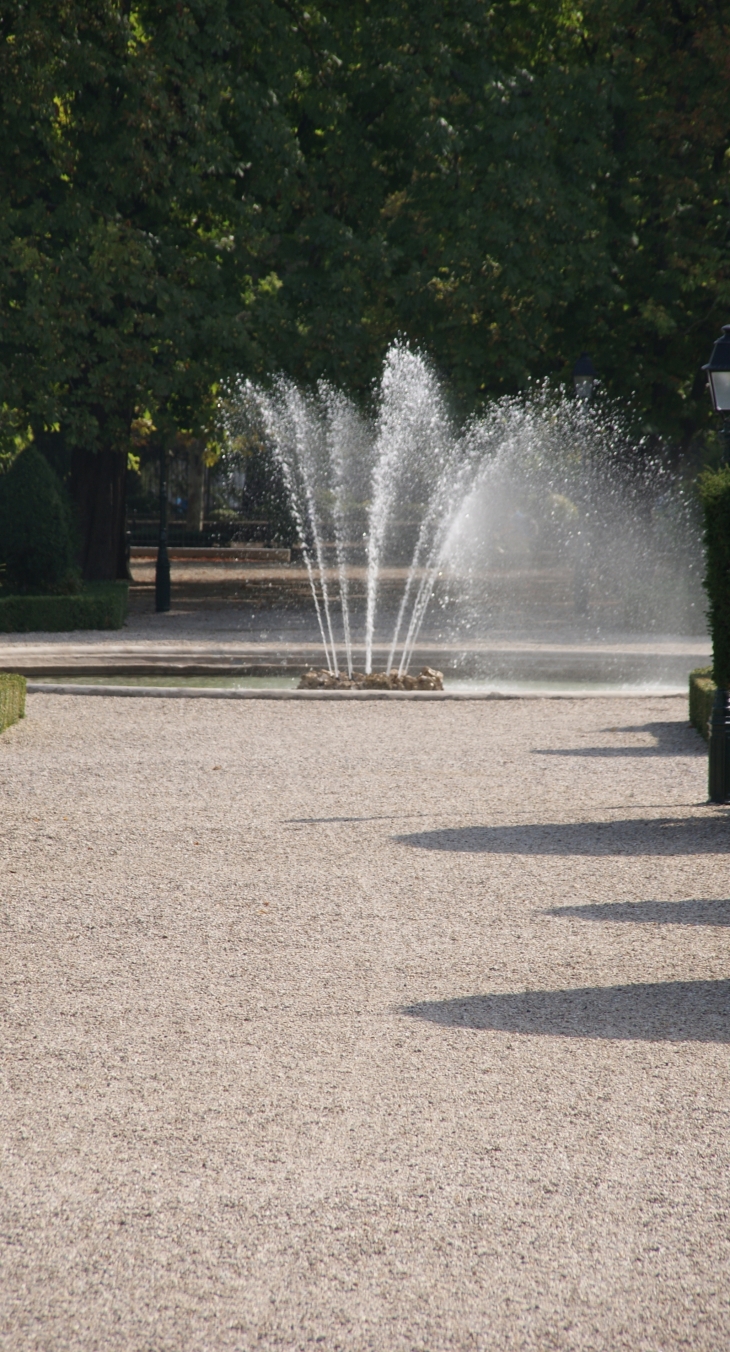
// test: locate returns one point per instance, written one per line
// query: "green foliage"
(101, 605)
(125, 237)
(701, 695)
(665, 204)
(447, 190)
(12, 699)
(14, 436)
(715, 494)
(195, 187)
(507, 184)
(36, 539)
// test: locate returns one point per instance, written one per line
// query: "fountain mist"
(539, 512)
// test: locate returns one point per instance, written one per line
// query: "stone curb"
(197, 692)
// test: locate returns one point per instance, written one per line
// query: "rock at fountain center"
(427, 679)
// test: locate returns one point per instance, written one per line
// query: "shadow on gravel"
(672, 739)
(671, 1011)
(650, 912)
(653, 836)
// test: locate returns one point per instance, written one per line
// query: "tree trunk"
(196, 485)
(98, 482)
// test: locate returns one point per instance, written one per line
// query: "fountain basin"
(427, 679)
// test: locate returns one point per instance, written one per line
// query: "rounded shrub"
(36, 534)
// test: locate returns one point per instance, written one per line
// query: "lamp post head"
(585, 378)
(718, 372)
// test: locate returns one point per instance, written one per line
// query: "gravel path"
(388, 1027)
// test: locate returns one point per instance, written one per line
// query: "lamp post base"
(719, 768)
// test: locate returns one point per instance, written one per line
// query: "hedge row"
(701, 694)
(101, 605)
(12, 699)
(715, 495)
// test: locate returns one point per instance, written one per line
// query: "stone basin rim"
(180, 692)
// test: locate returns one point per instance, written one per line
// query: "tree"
(446, 190)
(194, 187)
(667, 203)
(507, 184)
(123, 231)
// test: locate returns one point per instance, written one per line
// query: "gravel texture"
(399, 1027)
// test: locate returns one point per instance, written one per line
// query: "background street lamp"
(585, 378)
(718, 379)
(162, 571)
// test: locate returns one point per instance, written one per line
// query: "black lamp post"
(162, 571)
(718, 379)
(585, 377)
(585, 380)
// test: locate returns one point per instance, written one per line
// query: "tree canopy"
(121, 226)
(510, 183)
(194, 187)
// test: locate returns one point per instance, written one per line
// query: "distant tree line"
(196, 187)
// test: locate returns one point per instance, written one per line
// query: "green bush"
(715, 494)
(101, 605)
(36, 534)
(12, 699)
(701, 694)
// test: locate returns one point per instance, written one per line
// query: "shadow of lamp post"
(585, 380)
(718, 380)
(162, 570)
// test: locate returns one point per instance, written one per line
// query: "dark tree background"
(190, 189)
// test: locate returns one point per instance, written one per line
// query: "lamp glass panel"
(584, 386)
(720, 381)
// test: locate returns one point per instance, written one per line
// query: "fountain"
(539, 516)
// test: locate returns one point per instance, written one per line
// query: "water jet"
(542, 518)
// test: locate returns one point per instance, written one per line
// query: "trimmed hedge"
(701, 694)
(715, 495)
(12, 699)
(101, 605)
(36, 532)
